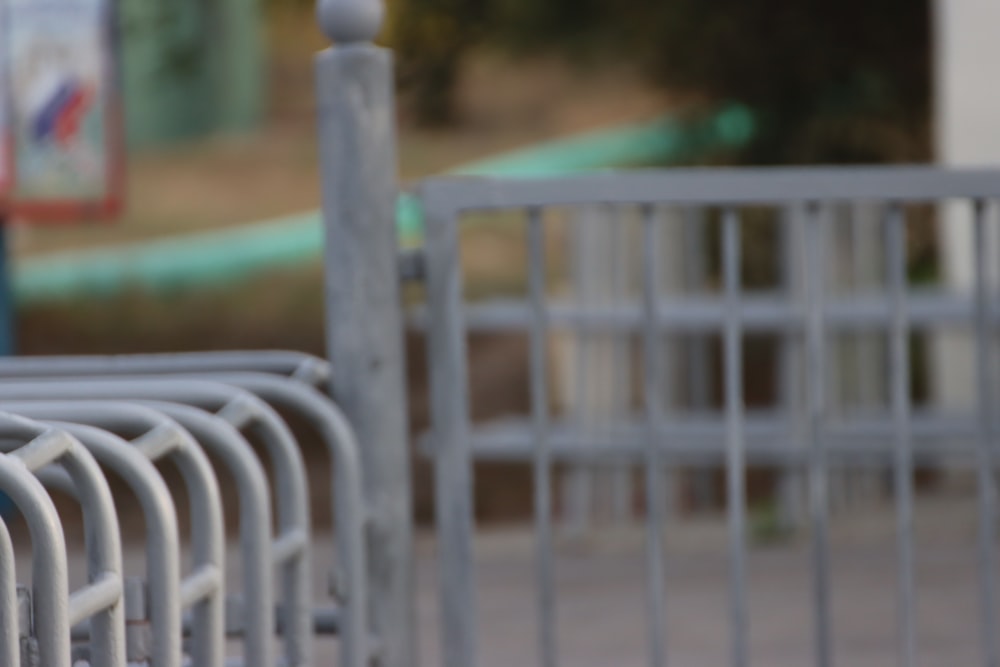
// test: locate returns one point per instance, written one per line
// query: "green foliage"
(840, 82)
(430, 37)
(832, 82)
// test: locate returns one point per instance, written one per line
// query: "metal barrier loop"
(243, 409)
(50, 579)
(329, 422)
(10, 653)
(291, 484)
(103, 594)
(292, 504)
(220, 439)
(162, 541)
(161, 437)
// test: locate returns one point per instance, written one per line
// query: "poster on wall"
(64, 109)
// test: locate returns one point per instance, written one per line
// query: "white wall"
(967, 133)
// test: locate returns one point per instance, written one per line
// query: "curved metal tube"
(10, 653)
(223, 441)
(244, 410)
(162, 437)
(50, 578)
(102, 598)
(329, 423)
(162, 541)
(332, 426)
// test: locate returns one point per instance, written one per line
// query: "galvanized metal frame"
(298, 365)
(738, 438)
(9, 642)
(162, 539)
(327, 421)
(50, 581)
(221, 432)
(291, 395)
(101, 599)
(203, 588)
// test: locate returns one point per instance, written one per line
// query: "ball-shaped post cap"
(350, 21)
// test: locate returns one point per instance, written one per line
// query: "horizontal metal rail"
(759, 312)
(710, 187)
(303, 367)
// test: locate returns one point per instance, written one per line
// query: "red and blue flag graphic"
(59, 118)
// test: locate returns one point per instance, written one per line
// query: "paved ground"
(601, 596)
(601, 622)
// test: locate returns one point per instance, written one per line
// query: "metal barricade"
(282, 386)
(202, 589)
(50, 581)
(153, 410)
(101, 600)
(803, 435)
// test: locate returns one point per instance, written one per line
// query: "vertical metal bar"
(355, 100)
(694, 278)
(986, 457)
(668, 278)
(861, 370)
(813, 278)
(871, 355)
(735, 460)
(903, 460)
(447, 356)
(621, 475)
(50, 581)
(580, 482)
(653, 396)
(540, 425)
(696, 344)
(834, 342)
(9, 650)
(790, 383)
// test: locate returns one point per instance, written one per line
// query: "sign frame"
(55, 208)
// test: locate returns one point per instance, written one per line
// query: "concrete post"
(354, 81)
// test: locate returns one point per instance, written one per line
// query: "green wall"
(190, 68)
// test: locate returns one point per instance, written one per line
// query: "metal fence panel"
(814, 433)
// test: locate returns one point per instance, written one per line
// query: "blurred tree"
(430, 37)
(833, 82)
